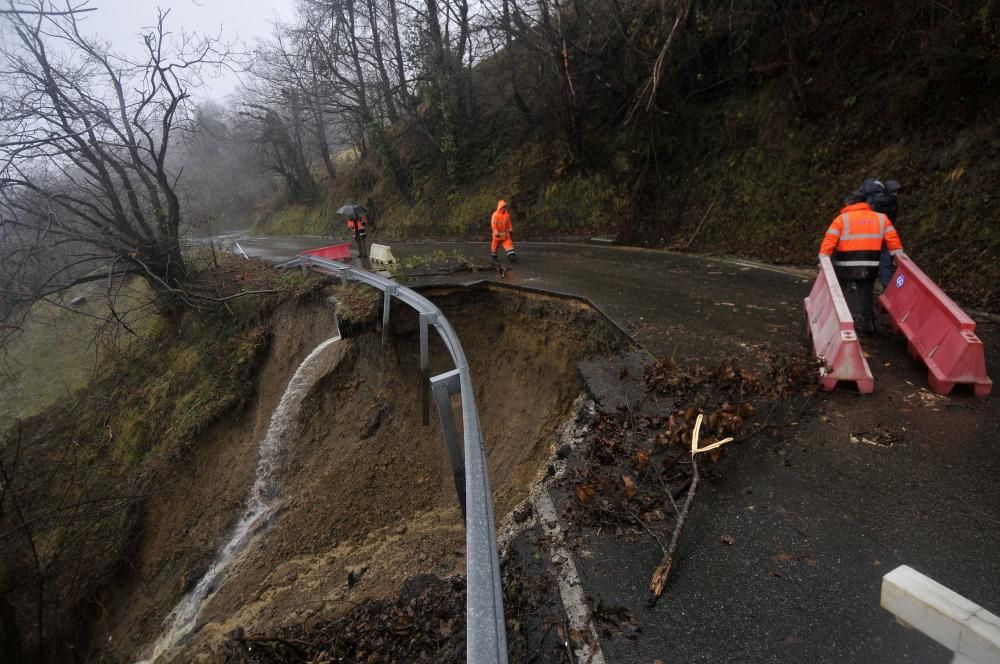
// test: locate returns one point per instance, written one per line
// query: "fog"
(121, 23)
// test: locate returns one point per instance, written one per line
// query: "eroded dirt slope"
(367, 494)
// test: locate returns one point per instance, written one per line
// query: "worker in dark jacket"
(886, 202)
(854, 242)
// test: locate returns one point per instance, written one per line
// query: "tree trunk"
(404, 92)
(390, 106)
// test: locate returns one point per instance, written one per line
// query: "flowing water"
(259, 508)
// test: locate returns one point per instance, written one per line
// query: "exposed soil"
(368, 496)
(186, 523)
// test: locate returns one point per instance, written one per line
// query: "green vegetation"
(358, 303)
(436, 262)
(760, 122)
(53, 357)
(78, 471)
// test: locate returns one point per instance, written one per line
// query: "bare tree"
(85, 139)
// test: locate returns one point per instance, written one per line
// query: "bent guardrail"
(486, 636)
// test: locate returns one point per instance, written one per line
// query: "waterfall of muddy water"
(259, 508)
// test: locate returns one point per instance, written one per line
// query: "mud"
(368, 497)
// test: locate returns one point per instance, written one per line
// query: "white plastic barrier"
(964, 627)
(381, 253)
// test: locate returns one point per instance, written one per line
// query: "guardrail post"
(386, 304)
(444, 387)
(425, 368)
(305, 267)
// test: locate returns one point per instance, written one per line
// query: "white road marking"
(587, 649)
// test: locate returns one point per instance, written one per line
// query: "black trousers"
(864, 309)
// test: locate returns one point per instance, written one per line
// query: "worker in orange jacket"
(854, 243)
(357, 223)
(501, 226)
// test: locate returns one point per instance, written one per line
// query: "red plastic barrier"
(938, 331)
(832, 330)
(335, 252)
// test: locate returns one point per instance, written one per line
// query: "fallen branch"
(700, 224)
(662, 572)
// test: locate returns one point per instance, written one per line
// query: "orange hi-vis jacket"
(501, 221)
(358, 226)
(854, 239)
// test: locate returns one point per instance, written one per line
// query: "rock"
(78, 300)
(522, 513)
(354, 574)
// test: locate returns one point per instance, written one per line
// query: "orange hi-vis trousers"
(508, 244)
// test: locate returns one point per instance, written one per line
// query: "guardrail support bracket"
(386, 305)
(444, 386)
(425, 368)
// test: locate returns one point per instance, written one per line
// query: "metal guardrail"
(486, 636)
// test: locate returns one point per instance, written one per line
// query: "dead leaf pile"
(426, 623)
(634, 464)
(423, 625)
(612, 621)
(784, 374)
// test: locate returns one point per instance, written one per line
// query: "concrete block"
(980, 640)
(955, 622)
(381, 253)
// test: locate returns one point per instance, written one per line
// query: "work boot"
(866, 327)
(493, 257)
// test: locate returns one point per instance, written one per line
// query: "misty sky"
(121, 21)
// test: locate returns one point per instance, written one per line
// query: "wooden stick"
(661, 573)
(700, 224)
(659, 579)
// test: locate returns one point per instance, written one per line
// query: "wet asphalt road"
(667, 301)
(817, 520)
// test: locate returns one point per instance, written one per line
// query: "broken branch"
(662, 572)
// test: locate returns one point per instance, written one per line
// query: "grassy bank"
(75, 476)
(745, 181)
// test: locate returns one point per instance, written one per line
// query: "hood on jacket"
(501, 204)
(852, 207)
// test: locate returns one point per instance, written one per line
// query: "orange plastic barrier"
(936, 329)
(832, 330)
(335, 252)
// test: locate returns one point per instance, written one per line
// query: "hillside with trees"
(716, 127)
(728, 128)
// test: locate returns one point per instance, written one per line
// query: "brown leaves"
(629, 486)
(426, 623)
(785, 557)
(785, 374)
(728, 539)
(584, 493)
(640, 460)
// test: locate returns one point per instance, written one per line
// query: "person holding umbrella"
(357, 223)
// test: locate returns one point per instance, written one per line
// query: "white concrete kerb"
(962, 626)
(572, 434)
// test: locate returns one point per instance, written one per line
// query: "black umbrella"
(352, 210)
